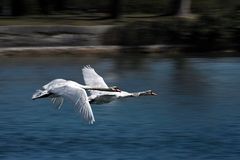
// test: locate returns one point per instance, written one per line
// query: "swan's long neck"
(143, 93)
(137, 94)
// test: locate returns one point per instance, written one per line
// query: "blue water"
(196, 114)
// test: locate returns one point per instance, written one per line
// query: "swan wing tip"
(87, 67)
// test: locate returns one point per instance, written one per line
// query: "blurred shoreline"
(165, 51)
(167, 36)
(180, 26)
(50, 40)
(86, 50)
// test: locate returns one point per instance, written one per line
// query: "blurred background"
(115, 8)
(201, 24)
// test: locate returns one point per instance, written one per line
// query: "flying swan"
(59, 89)
(91, 78)
(100, 93)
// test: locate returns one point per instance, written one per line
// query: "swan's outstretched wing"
(54, 83)
(91, 78)
(58, 101)
(79, 97)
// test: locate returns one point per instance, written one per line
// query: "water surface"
(195, 116)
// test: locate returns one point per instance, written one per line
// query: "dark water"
(196, 115)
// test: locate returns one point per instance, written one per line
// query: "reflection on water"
(195, 116)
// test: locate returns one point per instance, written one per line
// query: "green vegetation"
(78, 7)
(206, 32)
(213, 24)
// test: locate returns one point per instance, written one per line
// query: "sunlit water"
(196, 114)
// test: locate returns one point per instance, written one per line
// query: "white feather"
(78, 96)
(58, 101)
(54, 83)
(91, 78)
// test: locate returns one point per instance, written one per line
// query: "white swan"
(59, 89)
(91, 78)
